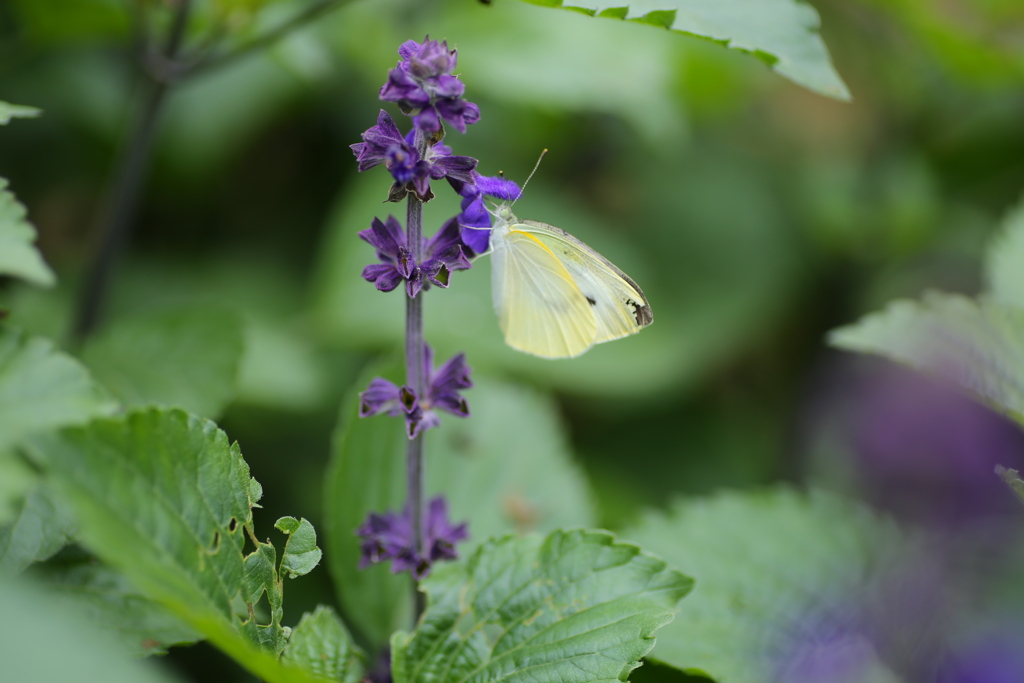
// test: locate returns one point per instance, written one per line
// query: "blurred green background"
(755, 215)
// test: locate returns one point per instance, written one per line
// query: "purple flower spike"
(423, 85)
(443, 254)
(442, 393)
(390, 537)
(384, 144)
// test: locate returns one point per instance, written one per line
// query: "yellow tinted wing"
(539, 306)
(619, 305)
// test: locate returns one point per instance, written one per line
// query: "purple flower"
(475, 219)
(442, 392)
(422, 84)
(443, 253)
(384, 144)
(390, 537)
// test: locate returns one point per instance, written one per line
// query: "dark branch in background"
(123, 196)
(160, 67)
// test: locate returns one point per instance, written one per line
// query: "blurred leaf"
(574, 606)
(321, 644)
(112, 604)
(42, 526)
(187, 358)
(44, 641)
(759, 561)
(18, 255)
(1004, 264)
(42, 388)
(1013, 480)
(69, 21)
(16, 481)
(781, 33)
(507, 468)
(161, 496)
(10, 111)
(976, 344)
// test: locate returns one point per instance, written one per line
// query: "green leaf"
(18, 254)
(10, 111)
(976, 344)
(1004, 265)
(108, 600)
(44, 641)
(781, 33)
(42, 526)
(574, 606)
(321, 644)
(508, 468)
(42, 388)
(185, 358)
(1012, 479)
(759, 560)
(300, 552)
(16, 481)
(161, 496)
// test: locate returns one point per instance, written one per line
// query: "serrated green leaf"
(161, 496)
(183, 359)
(508, 468)
(976, 344)
(782, 33)
(321, 645)
(43, 642)
(107, 599)
(1004, 264)
(42, 526)
(42, 388)
(10, 111)
(19, 256)
(575, 606)
(300, 552)
(759, 560)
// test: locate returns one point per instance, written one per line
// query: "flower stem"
(416, 378)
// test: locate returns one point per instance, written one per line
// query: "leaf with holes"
(573, 606)
(782, 33)
(163, 497)
(301, 554)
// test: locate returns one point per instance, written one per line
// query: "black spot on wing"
(641, 312)
(591, 301)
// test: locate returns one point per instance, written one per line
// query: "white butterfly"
(556, 297)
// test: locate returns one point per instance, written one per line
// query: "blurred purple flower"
(926, 452)
(997, 658)
(384, 144)
(443, 387)
(475, 219)
(422, 84)
(390, 537)
(443, 253)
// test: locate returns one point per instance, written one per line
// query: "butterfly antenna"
(535, 167)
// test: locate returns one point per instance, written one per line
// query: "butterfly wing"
(619, 305)
(540, 308)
